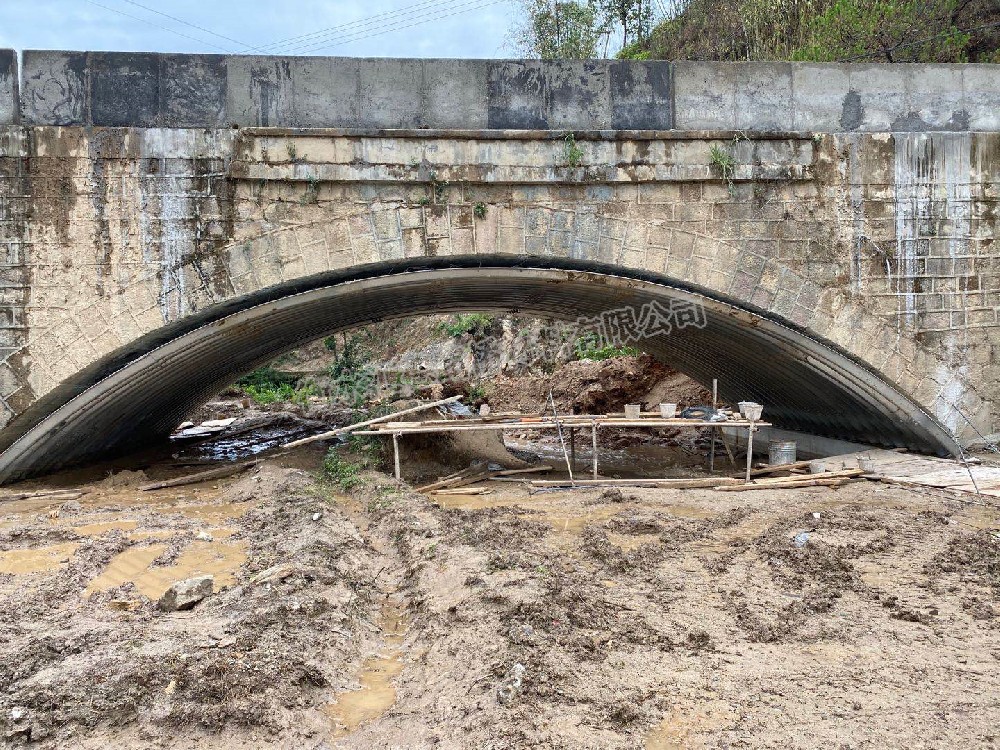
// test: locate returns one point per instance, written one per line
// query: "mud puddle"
(38, 560)
(136, 565)
(681, 728)
(376, 693)
(641, 461)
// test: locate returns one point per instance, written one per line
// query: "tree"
(558, 30)
(629, 21)
(570, 29)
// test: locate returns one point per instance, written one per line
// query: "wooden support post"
(593, 437)
(750, 430)
(572, 446)
(395, 455)
(715, 404)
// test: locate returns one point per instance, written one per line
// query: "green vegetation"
(311, 194)
(726, 163)
(568, 29)
(438, 186)
(887, 30)
(945, 31)
(474, 323)
(479, 210)
(351, 373)
(560, 30)
(574, 154)
(346, 474)
(589, 346)
(268, 386)
(476, 394)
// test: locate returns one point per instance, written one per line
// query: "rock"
(317, 516)
(522, 634)
(507, 693)
(204, 536)
(185, 594)
(274, 574)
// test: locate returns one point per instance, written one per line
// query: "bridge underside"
(138, 396)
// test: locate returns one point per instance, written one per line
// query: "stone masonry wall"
(877, 234)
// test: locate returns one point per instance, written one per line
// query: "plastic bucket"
(781, 452)
(632, 411)
(668, 411)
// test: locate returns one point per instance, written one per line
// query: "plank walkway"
(927, 471)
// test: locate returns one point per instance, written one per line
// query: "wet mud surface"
(862, 617)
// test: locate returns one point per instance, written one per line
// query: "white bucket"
(632, 411)
(668, 411)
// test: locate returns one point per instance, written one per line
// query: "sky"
(354, 28)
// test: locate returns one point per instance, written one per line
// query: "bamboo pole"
(715, 402)
(665, 483)
(593, 438)
(376, 420)
(569, 467)
(786, 486)
(201, 476)
(395, 455)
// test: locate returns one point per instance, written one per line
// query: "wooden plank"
(849, 473)
(449, 480)
(201, 476)
(787, 486)
(458, 426)
(53, 495)
(463, 491)
(783, 467)
(376, 420)
(530, 470)
(663, 483)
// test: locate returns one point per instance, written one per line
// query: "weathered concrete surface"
(879, 246)
(211, 91)
(832, 97)
(9, 109)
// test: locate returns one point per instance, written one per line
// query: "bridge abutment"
(875, 242)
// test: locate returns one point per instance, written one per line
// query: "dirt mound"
(589, 387)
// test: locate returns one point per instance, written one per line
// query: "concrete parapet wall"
(161, 90)
(9, 109)
(146, 90)
(834, 97)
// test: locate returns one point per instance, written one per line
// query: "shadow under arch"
(140, 393)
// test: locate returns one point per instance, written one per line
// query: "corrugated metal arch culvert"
(136, 396)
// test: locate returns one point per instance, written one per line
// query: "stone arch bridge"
(169, 222)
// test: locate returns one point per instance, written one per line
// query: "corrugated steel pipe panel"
(137, 397)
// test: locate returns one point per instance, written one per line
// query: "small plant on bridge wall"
(726, 163)
(573, 152)
(311, 195)
(479, 210)
(438, 187)
(292, 153)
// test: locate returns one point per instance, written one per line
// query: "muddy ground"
(861, 617)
